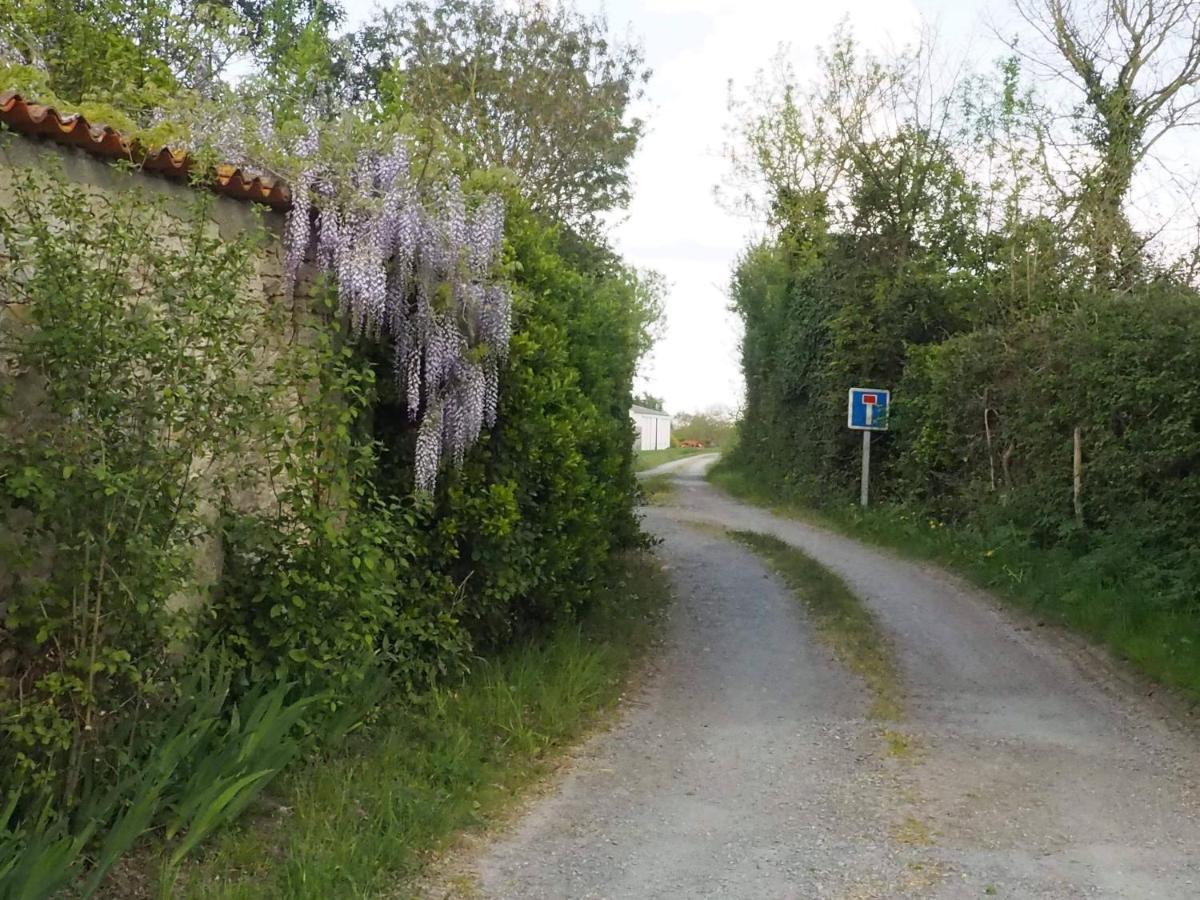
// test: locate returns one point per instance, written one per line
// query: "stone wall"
(228, 219)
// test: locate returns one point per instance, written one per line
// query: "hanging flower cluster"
(419, 277)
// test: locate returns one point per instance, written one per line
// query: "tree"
(792, 146)
(791, 143)
(647, 400)
(1135, 66)
(136, 53)
(541, 90)
(272, 26)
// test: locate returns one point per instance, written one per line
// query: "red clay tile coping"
(36, 120)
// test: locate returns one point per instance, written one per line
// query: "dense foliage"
(922, 250)
(229, 527)
(109, 478)
(131, 400)
(113, 419)
(541, 90)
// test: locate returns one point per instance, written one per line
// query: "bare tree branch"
(1137, 66)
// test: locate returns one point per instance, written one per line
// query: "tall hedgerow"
(425, 455)
(154, 403)
(1042, 370)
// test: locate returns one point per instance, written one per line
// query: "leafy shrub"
(126, 338)
(196, 765)
(135, 397)
(1121, 369)
(308, 579)
(528, 523)
(153, 404)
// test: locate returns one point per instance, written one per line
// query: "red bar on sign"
(870, 399)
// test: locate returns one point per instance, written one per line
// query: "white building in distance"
(653, 428)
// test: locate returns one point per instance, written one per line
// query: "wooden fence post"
(1078, 492)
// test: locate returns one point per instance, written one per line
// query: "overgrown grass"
(648, 459)
(1101, 594)
(360, 821)
(657, 488)
(841, 620)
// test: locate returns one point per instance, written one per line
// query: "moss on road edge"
(842, 621)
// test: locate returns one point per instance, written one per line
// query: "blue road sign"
(868, 409)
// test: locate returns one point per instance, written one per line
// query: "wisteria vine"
(419, 277)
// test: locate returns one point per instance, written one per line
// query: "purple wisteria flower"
(421, 279)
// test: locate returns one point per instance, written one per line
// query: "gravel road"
(1024, 765)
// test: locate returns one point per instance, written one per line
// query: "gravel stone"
(746, 766)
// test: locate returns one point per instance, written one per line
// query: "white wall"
(654, 432)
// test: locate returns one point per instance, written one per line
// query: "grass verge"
(362, 820)
(648, 459)
(1094, 594)
(841, 620)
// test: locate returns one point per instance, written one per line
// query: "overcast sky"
(674, 224)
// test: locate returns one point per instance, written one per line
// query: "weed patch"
(657, 488)
(913, 832)
(900, 745)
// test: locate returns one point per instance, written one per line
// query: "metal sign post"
(866, 468)
(867, 412)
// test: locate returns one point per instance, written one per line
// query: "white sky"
(674, 225)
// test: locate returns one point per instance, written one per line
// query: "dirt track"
(747, 767)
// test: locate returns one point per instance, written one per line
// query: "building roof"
(647, 411)
(37, 120)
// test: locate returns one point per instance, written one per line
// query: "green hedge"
(984, 413)
(145, 358)
(1124, 370)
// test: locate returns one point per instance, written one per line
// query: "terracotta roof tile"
(37, 120)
